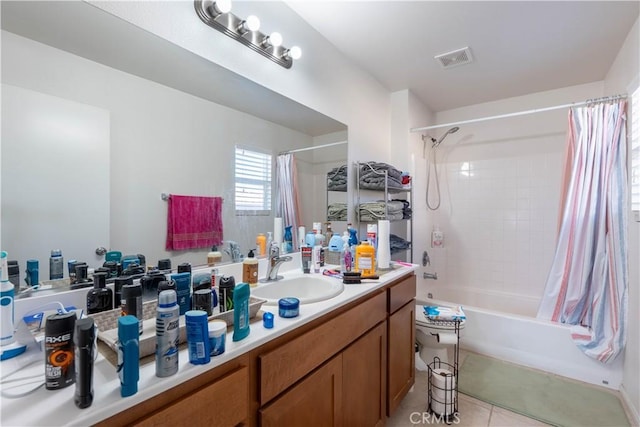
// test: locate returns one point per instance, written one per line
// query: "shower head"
(452, 130)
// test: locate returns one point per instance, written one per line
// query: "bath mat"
(545, 397)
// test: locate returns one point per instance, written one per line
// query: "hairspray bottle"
(6, 302)
(85, 340)
(128, 355)
(167, 334)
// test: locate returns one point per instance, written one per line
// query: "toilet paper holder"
(442, 392)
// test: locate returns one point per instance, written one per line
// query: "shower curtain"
(287, 199)
(587, 284)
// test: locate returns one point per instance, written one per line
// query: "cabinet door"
(222, 403)
(315, 401)
(364, 371)
(401, 369)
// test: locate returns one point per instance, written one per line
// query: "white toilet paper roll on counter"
(277, 231)
(302, 232)
(443, 394)
(447, 338)
(384, 250)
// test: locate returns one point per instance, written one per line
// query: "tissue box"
(36, 321)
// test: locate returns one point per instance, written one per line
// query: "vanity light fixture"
(217, 14)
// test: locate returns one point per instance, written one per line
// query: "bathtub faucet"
(433, 276)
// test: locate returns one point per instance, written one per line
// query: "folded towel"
(193, 222)
(444, 313)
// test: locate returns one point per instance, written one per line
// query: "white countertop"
(57, 408)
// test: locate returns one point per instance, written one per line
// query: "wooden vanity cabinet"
(219, 397)
(353, 369)
(350, 367)
(348, 390)
(401, 341)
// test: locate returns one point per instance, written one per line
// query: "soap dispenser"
(100, 298)
(214, 257)
(250, 269)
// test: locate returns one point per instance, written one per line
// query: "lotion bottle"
(261, 244)
(250, 269)
(366, 259)
(214, 257)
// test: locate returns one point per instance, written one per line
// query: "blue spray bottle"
(288, 240)
(353, 242)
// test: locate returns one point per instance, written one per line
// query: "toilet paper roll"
(443, 394)
(302, 232)
(384, 250)
(447, 338)
(277, 231)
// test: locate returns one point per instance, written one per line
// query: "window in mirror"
(253, 182)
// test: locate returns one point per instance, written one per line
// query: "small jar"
(217, 336)
(288, 307)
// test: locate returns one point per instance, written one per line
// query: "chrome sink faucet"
(275, 260)
(234, 251)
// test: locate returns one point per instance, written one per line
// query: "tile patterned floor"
(472, 412)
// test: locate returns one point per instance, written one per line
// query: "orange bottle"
(365, 259)
(261, 244)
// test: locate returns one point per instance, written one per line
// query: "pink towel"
(193, 222)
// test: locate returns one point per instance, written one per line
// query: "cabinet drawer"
(401, 293)
(285, 365)
(224, 402)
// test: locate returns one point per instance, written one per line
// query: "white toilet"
(427, 338)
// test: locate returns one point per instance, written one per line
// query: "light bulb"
(275, 39)
(221, 6)
(294, 53)
(252, 23)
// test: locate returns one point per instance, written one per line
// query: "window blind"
(252, 182)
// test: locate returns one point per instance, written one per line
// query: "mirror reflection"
(94, 135)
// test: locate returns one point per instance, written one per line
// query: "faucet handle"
(274, 250)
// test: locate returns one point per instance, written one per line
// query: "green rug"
(545, 397)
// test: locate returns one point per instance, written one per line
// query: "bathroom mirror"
(171, 120)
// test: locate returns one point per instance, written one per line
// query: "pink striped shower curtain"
(587, 284)
(287, 196)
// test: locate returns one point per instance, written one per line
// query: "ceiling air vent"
(454, 58)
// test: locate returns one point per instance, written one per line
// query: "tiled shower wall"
(500, 201)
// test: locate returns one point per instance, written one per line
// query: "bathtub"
(531, 342)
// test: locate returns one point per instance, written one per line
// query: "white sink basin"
(306, 288)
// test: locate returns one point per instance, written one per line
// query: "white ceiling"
(518, 47)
